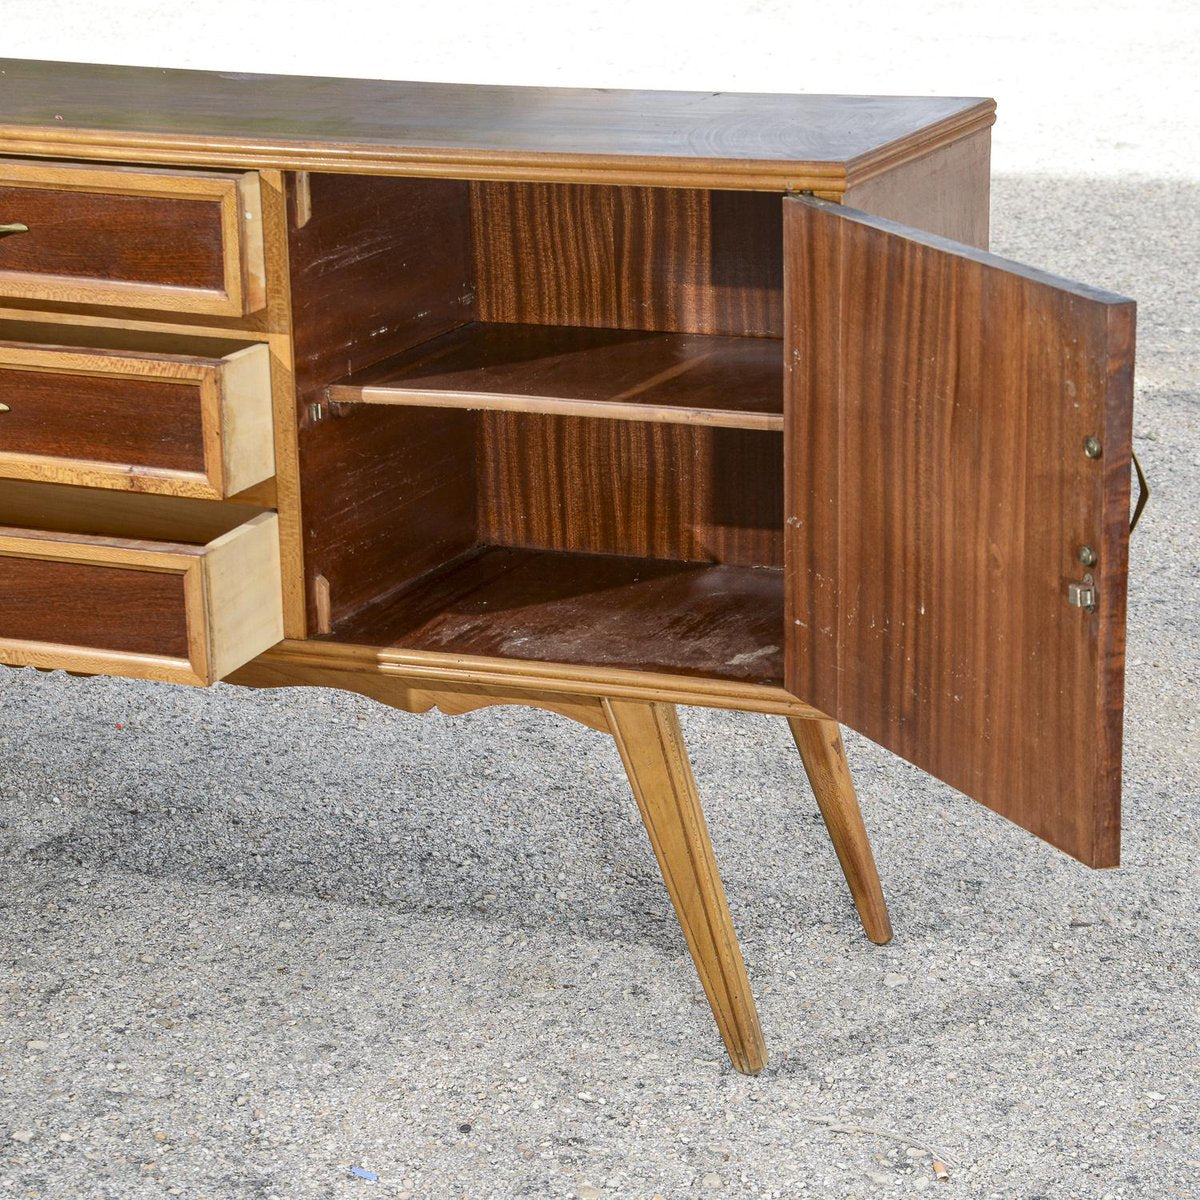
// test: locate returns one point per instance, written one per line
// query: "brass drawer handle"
(13, 227)
(4, 408)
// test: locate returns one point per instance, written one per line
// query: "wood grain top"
(714, 139)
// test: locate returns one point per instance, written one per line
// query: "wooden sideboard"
(597, 401)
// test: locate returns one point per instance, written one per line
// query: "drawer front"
(86, 604)
(146, 610)
(173, 241)
(173, 424)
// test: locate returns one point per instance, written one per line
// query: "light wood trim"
(307, 663)
(239, 198)
(721, 173)
(101, 551)
(283, 401)
(187, 329)
(54, 359)
(246, 447)
(198, 611)
(323, 603)
(613, 410)
(246, 219)
(302, 191)
(650, 743)
(416, 696)
(824, 757)
(81, 660)
(234, 397)
(243, 593)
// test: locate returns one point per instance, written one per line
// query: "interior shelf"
(682, 378)
(588, 609)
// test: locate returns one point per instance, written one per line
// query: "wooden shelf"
(721, 622)
(682, 378)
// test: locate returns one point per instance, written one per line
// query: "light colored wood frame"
(367, 669)
(611, 410)
(231, 589)
(233, 393)
(650, 743)
(240, 200)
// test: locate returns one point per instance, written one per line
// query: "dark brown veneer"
(79, 604)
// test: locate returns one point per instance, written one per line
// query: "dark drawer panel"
(119, 419)
(174, 241)
(81, 604)
(93, 235)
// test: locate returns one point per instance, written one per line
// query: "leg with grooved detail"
(651, 746)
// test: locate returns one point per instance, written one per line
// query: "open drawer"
(148, 587)
(139, 412)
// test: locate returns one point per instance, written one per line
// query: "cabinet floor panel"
(683, 378)
(718, 621)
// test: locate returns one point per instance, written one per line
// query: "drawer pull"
(13, 227)
(4, 408)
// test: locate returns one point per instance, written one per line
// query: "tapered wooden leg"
(651, 745)
(824, 758)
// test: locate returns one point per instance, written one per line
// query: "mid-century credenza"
(598, 401)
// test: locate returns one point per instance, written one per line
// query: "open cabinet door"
(943, 495)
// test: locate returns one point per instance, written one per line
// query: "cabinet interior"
(542, 421)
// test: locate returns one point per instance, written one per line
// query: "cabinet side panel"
(378, 265)
(395, 490)
(688, 492)
(944, 192)
(629, 258)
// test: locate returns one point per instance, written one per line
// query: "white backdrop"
(1084, 86)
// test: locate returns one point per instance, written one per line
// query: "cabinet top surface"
(686, 138)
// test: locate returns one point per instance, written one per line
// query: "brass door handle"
(1143, 493)
(13, 227)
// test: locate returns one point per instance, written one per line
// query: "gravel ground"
(252, 940)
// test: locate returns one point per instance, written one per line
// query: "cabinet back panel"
(689, 492)
(629, 257)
